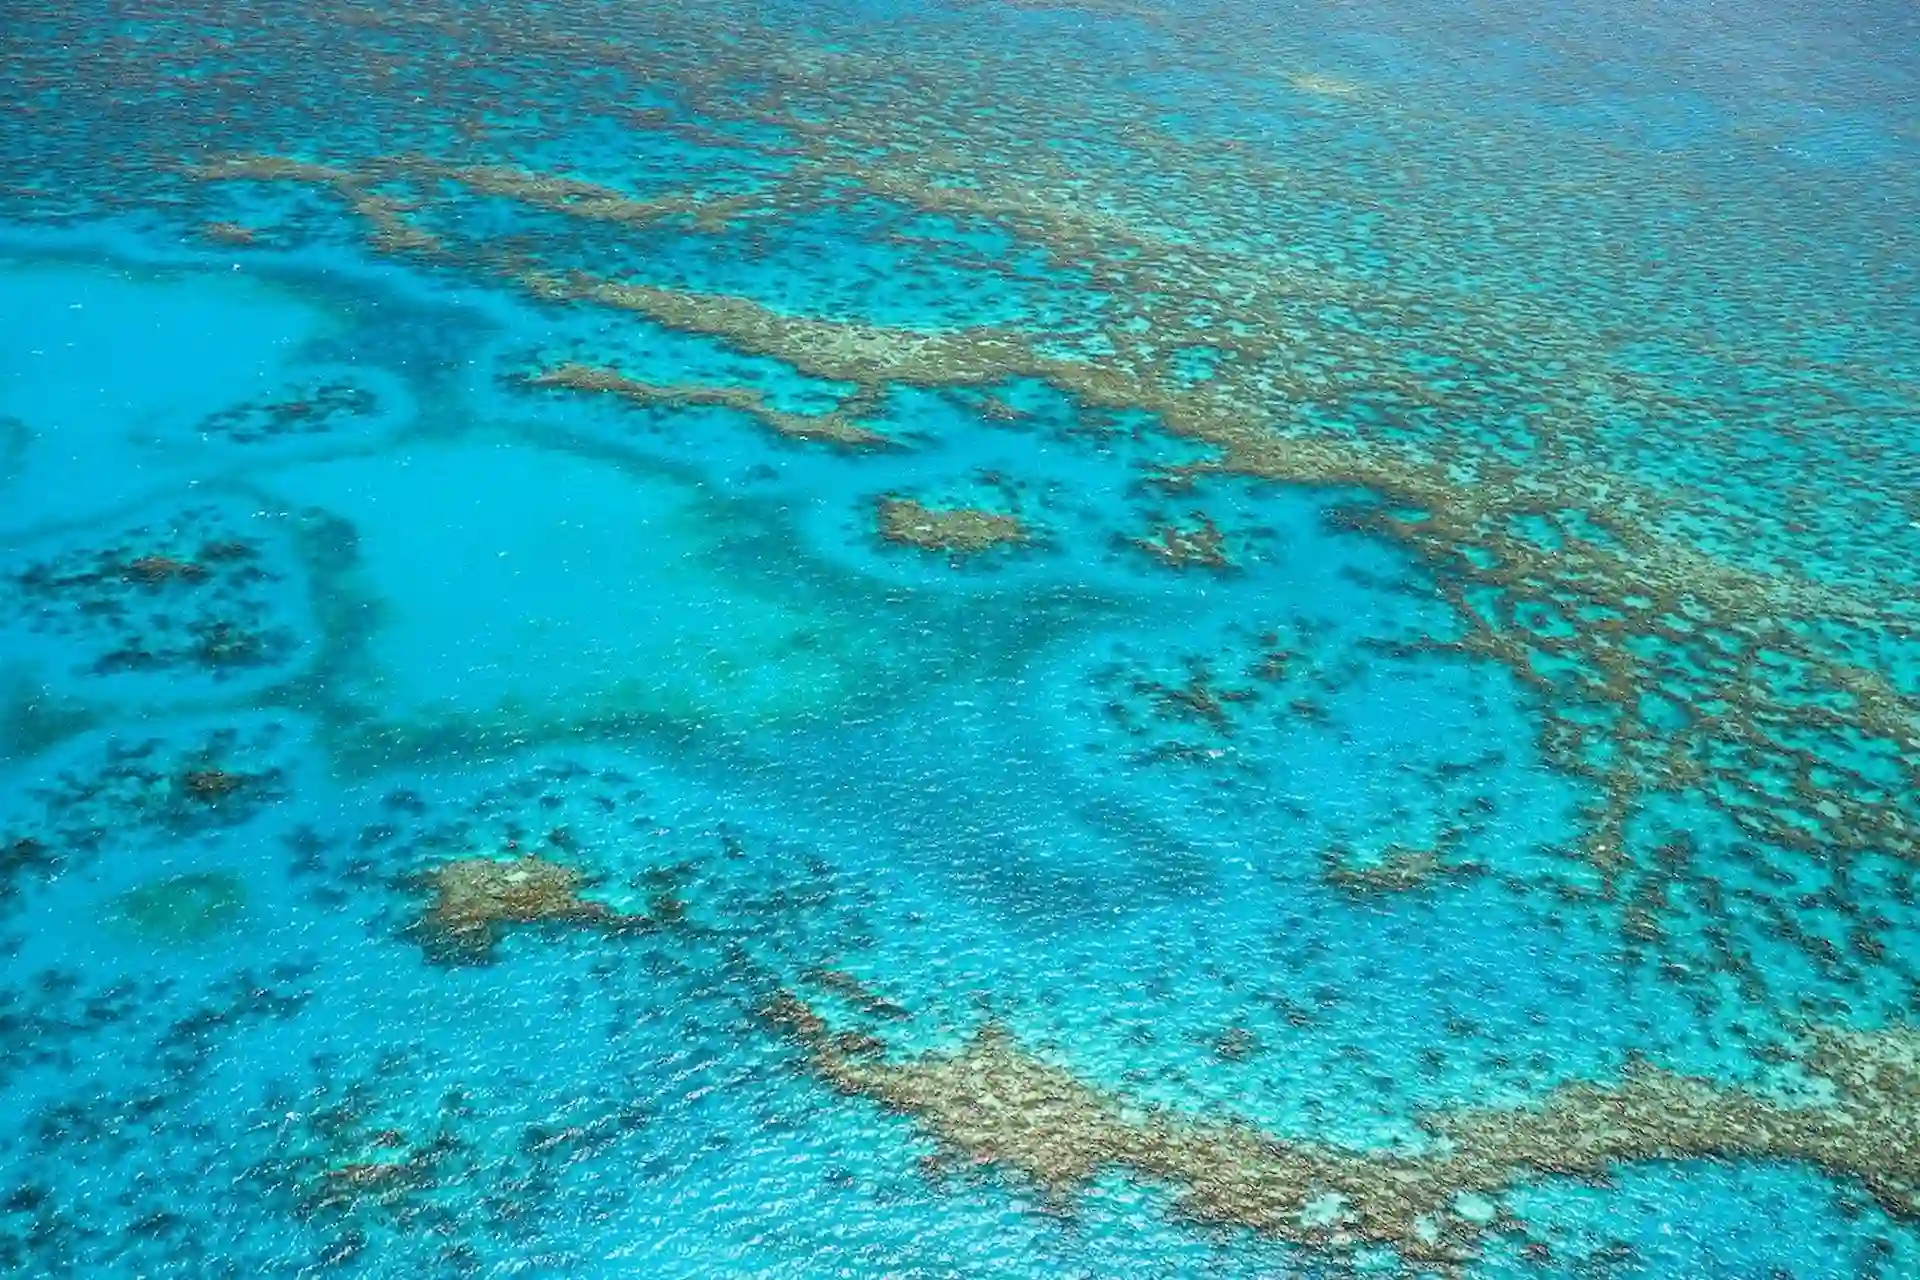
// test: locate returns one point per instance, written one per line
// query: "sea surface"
(964, 638)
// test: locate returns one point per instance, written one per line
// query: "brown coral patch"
(476, 900)
(1197, 699)
(995, 1102)
(368, 1175)
(1621, 609)
(1235, 1044)
(836, 427)
(230, 234)
(154, 570)
(1199, 546)
(855, 992)
(1399, 869)
(211, 784)
(389, 228)
(589, 201)
(962, 530)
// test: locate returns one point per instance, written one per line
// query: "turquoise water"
(1131, 638)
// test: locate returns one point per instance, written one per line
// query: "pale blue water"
(1549, 373)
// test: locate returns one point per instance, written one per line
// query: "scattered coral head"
(211, 784)
(1199, 546)
(855, 993)
(368, 1175)
(343, 1188)
(231, 234)
(962, 530)
(155, 570)
(475, 900)
(994, 409)
(1235, 1044)
(1399, 869)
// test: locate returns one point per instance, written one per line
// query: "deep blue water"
(1444, 653)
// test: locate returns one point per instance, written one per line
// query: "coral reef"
(200, 592)
(960, 530)
(231, 235)
(838, 427)
(846, 987)
(1186, 715)
(1398, 868)
(1200, 545)
(1554, 530)
(316, 408)
(370, 1158)
(191, 783)
(1626, 391)
(476, 900)
(994, 1101)
(350, 1161)
(155, 570)
(389, 229)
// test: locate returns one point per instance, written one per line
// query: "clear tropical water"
(1041, 639)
